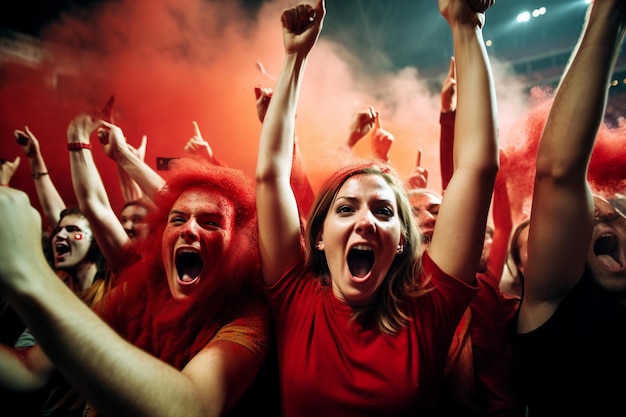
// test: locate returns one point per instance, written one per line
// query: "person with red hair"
(184, 332)
(572, 320)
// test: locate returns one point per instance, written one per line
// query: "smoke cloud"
(170, 62)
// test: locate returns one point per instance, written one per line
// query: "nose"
(425, 215)
(189, 231)
(366, 224)
(61, 233)
(127, 225)
(605, 212)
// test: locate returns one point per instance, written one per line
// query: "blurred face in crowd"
(425, 205)
(132, 219)
(606, 256)
(71, 241)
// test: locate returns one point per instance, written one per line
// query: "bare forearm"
(131, 191)
(580, 100)
(148, 180)
(278, 131)
(49, 198)
(116, 377)
(475, 131)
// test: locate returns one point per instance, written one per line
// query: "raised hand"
(115, 144)
(448, 89)
(302, 26)
(263, 96)
(419, 176)
(362, 122)
(381, 141)
(197, 146)
(27, 141)
(465, 11)
(81, 128)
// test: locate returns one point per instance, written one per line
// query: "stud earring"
(320, 245)
(400, 249)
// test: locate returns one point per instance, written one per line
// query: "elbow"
(265, 174)
(560, 173)
(490, 169)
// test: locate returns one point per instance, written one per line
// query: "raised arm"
(276, 203)
(131, 191)
(446, 122)
(118, 150)
(51, 201)
(460, 229)
(90, 191)
(562, 211)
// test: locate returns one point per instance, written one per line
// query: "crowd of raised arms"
(214, 293)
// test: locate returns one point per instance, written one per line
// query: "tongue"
(609, 262)
(360, 272)
(187, 278)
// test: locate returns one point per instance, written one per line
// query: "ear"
(400, 247)
(320, 243)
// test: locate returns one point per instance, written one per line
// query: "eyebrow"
(352, 199)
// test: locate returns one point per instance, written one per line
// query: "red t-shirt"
(333, 367)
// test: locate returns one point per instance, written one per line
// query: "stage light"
(523, 17)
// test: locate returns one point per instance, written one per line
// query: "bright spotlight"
(539, 12)
(523, 17)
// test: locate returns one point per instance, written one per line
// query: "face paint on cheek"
(79, 236)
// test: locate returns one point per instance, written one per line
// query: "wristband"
(38, 175)
(77, 146)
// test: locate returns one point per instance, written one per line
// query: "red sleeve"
(502, 225)
(446, 143)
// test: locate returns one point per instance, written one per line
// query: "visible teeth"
(362, 247)
(187, 251)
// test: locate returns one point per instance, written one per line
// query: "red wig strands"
(141, 307)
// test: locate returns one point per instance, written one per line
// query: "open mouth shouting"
(61, 249)
(607, 250)
(189, 265)
(361, 260)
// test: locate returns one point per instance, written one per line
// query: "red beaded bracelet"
(77, 146)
